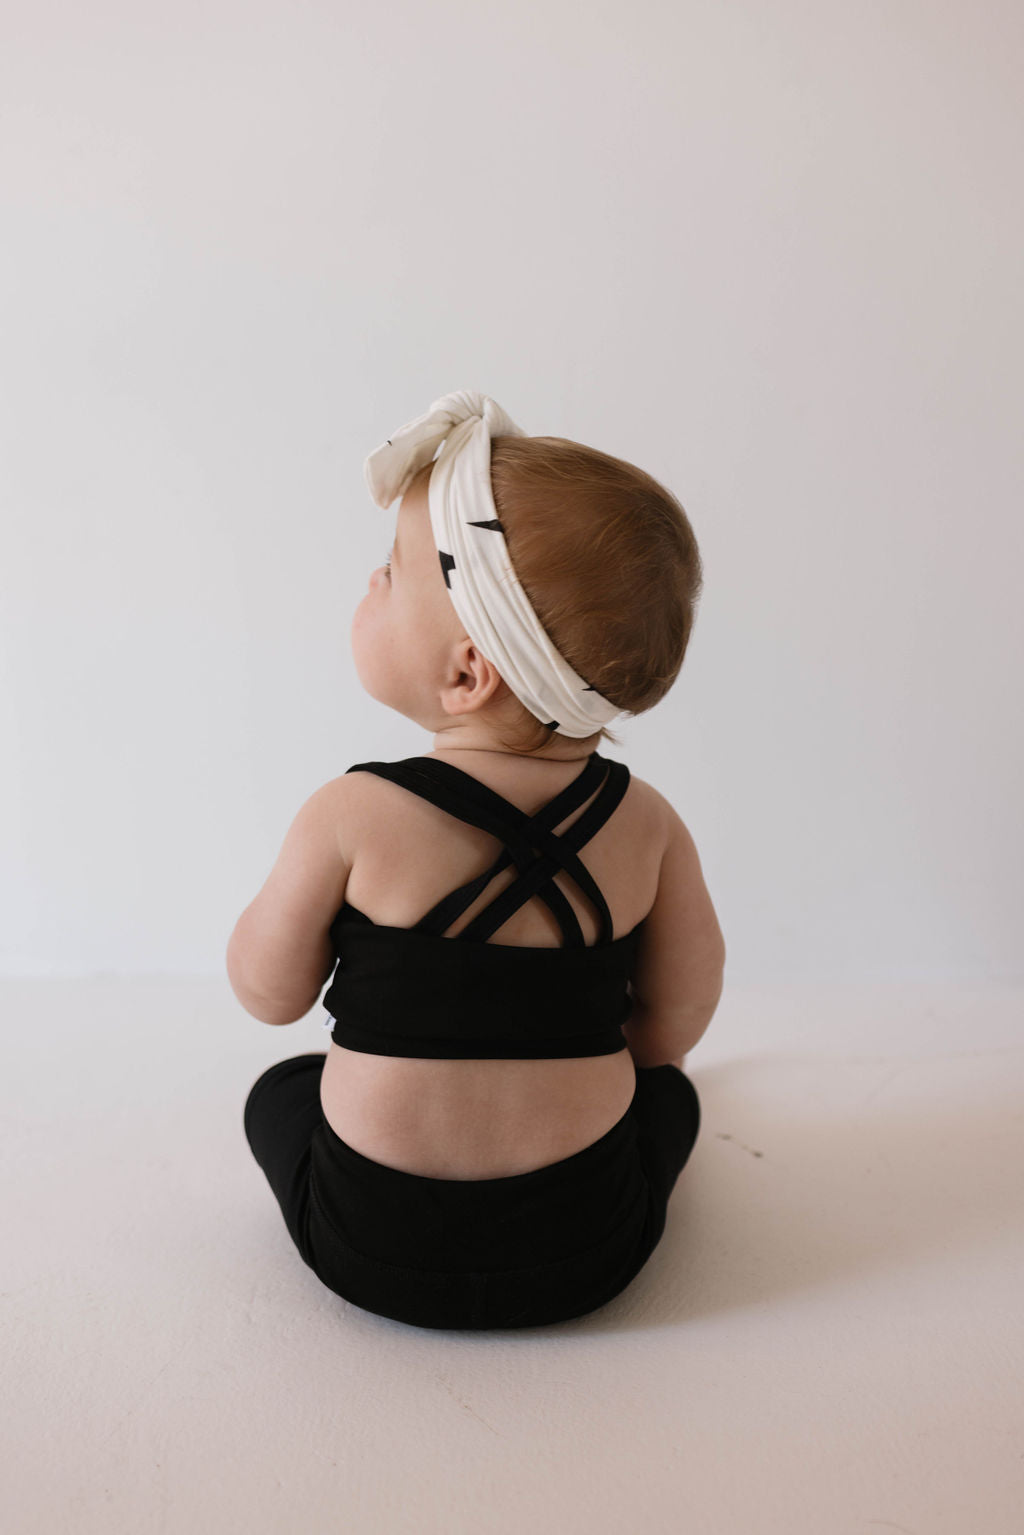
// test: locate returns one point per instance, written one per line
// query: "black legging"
(521, 1251)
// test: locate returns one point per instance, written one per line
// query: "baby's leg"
(281, 1113)
(667, 1113)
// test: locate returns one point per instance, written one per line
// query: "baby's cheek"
(360, 615)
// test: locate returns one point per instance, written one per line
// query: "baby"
(522, 944)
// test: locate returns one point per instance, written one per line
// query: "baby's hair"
(609, 562)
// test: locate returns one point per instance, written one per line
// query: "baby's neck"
(562, 751)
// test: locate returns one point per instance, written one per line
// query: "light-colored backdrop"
(771, 254)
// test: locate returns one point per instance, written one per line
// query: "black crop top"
(413, 992)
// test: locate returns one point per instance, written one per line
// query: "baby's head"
(608, 561)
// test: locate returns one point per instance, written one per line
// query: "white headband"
(478, 571)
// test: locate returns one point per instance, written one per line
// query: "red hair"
(609, 562)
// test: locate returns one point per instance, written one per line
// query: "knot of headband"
(481, 580)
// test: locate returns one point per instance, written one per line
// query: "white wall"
(770, 253)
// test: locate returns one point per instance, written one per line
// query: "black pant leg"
(281, 1113)
(667, 1112)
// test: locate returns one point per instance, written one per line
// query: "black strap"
(522, 833)
(460, 794)
(561, 852)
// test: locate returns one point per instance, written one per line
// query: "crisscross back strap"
(536, 874)
(560, 851)
(450, 788)
(538, 853)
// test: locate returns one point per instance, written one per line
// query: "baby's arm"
(280, 953)
(679, 974)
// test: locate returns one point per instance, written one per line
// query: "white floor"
(827, 1341)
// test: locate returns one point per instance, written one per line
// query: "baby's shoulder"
(373, 804)
(653, 809)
